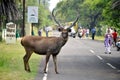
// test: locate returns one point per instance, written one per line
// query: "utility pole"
(23, 27)
(39, 2)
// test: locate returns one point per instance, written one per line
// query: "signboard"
(32, 14)
(10, 33)
(4, 34)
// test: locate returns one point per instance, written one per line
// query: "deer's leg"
(26, 59)
(55, 63)
(46, 63)
(28, 62)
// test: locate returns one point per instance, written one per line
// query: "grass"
(11, 63)
(100, 38)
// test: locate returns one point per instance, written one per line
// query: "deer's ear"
(69, 30)
(60, 29)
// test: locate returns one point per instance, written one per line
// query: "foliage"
(112, 14)
(68, 10)
(8, 12)
(93, 13)
(43, 12)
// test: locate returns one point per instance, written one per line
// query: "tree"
(43, 12)
(67, 10)
(8, 12)
(89, 10)
(116, 12)
(93, 13)
(111, 13)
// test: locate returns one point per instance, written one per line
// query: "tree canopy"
(93, 13)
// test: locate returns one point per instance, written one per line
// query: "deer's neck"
(64, 40)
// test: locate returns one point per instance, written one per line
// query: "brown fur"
(43, 46)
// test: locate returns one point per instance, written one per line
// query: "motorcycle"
(80, 34)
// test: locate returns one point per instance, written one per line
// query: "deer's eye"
(69, 30)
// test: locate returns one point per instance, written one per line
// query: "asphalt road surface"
(83, 59)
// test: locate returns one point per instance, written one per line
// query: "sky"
(53, 3)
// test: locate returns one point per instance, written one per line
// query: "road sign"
(32, 14)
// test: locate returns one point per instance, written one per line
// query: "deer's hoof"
(28, 71)
(45, 72)
(57, 72)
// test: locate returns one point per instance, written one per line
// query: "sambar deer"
(45, 45)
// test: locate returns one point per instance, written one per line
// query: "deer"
(49, 46)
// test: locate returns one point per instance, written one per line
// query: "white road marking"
(45, 74)
(102, 59)
(96, 55)
(92, 51)
(99, 57)
(111, 65)
(118, 70)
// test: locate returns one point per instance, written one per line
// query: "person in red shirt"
(114, 34)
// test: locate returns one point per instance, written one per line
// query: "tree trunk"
(94, 20)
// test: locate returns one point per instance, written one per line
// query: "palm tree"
(8, 9)
(8, 12)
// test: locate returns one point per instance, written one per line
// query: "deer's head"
(64, 31)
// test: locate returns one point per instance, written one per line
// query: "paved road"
(83, 59)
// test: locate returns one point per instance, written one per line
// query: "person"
(114, 34)
(87, 33)
(46, 31)
(108, 42)
(73, 32)
(80, 32)
(93, 33)
(40, 32)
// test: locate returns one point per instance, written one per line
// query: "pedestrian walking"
(108, 42)
(114, 34)
(87, 33)
(40, 32)
(46, 31)
(80, 33)
(93, 33)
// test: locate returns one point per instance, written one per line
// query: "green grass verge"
(11, 63)
(100, 38)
